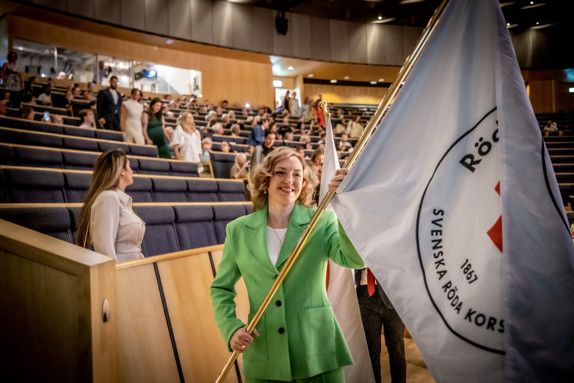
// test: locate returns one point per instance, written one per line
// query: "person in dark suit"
(109, 106)
(377, 312)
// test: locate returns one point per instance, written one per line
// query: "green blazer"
(299, 335)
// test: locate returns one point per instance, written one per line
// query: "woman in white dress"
(132, 111)
(186, 140)
(107, 219)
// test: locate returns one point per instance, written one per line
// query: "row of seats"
(23, 155)
(37, 185)
(169, 228)
(36, 126)
(17, 136)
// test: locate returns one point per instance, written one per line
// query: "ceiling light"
(169, 41)
(333, 81)
(290, 68)
(310, 75)
(373, 82)
(380, 17)
(381, 79)
(346, 77)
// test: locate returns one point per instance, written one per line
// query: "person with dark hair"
(268, 142)
(27, 113)
(11, 75)
(298, 337)
(109, 102)
(87, 117)
(155, 127)
(377, 313)
(258, 133)
(107, 220)
(45, 98)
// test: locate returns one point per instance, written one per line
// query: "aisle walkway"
(417, 371)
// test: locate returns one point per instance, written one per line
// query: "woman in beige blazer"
(107, 219)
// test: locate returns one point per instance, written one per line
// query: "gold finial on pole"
(373, 123)
(325, 108)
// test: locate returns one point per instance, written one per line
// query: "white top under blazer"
(115, 228)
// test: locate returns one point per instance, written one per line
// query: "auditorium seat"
(79, 160)
(30, 156)
(202, 190)
(53, 221)
(149, 166)
(77, 185)
(7, 155)
(79, 132)
(169, 189)
(78, 143)
(104, 145)
(230, 191)
(141, 190)
(30, 185)
(160, 236)
(221, 164)
(223, 214)
(194, 226)
(183, 169)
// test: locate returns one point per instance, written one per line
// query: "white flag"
(341, 289)
(455, 207)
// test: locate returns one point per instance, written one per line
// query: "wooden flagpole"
(373, 123)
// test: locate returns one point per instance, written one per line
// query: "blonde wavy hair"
(264, 171)
(106, 176)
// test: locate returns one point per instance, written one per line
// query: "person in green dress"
(153, 119)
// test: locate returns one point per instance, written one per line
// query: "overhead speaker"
(281, 24)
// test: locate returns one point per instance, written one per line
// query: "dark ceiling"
(520, 13)
(542, 30)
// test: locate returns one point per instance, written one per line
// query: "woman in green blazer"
(297, 338)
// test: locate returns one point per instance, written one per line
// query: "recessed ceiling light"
(380, 17)
(373, 82)
(310, 75)
(346, 77)
(290, 68)
(333, 81)
(381, 79)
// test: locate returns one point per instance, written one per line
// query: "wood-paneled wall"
(346, 94)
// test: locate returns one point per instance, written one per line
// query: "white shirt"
(189, 144)
(275, 238)
(114, 95)
(115, 229)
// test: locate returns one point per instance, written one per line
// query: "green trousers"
(333, 376)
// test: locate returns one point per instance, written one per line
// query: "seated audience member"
(206, 151)
(45, 98)
(225, 147)
(217, 129)
(315, 166)
(268, 142)
(3, 108)
(76, 91)
(107, 220)
(235, 131)
(56, 119)
(27, 113)
(88, 120)
(70, 104)
(240, 167)
(344, 144)
(552, 128)
(28, 93)
(354, 128)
